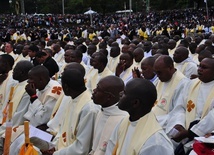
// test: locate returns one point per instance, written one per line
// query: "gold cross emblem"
(190, 106)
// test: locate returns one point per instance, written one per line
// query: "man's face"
(125, 58)
(31, 54)
(67, 56)
(100, 95)
(35, 80)
(25, 50)
(17, 72)
(147, 46)
(147, 71)
(94, 61)
(206, 70)
(162, 71)
(125, 100)
(138, 56)
(177, 56)
(8, 48)
(73, 57)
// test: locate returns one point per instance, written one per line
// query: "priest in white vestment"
(107, 95)
(183, 63)
(140, 133)
(170, 86)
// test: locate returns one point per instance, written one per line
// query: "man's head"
(25, 50)
(72, 82)
(19, 48)
(8, 47)
(204, 54)
(91, 49)
(171, 44)
(181, 53)
(147, 68)
(125, 48)
(20, 71)
(138, 54)
(164, 68)
(115, 51)
(41, 57)
(147, 46)
(127, 58)
(39, 77)
(75, 56)
(138, 97)
(206, 70)
(56, 48)
(98, 61)
(67, 55)
(154, 48)
(77, 66)
(6, 63)
(192, 47)
(107, 92)
(32, 50)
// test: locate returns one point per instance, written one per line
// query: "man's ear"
(136, 103)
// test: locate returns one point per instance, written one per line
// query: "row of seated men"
(175, 107)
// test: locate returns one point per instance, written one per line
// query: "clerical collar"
(109, 108)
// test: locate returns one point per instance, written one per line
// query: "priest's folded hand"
(183, 133)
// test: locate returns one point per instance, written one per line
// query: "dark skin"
(205, 74)
(125, 62)
(120, 67)
(31, 90)
(3, 77)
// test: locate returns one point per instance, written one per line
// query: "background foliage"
(101, 6)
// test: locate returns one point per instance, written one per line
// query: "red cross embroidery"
(57, 90)
(64, 137)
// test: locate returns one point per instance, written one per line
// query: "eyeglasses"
(106, 92)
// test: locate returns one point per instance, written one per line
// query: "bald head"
(164, 59)
(107, 92)
(77, 66)
(149, 61)
(181, 53)
(172, 44)
(138, 54)
(40, 71)
(114, 84)
(39, 77)
(137, 100)
(204, 54)
(72, 81)
(20, 71)
(164, 68)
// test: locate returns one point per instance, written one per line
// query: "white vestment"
(168, 98)
(106, 121)
(205, 126)
(126, 75)
(81, 135)
(59, 58)
(157, 143)
(21, 101)
(204, 90)
(39, 112)
(55, 123)
(187, 67)
(112, 63)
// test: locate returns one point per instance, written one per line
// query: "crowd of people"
(141, 84)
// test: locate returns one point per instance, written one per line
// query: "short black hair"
(6, 58)
(73, 79)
